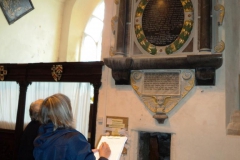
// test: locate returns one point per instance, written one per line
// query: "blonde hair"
(34, 109)
(57, 108)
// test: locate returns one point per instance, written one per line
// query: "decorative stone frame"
(204, 62)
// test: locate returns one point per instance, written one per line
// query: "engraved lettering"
(162, 21)
(161, 83)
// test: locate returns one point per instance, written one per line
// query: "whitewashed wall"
(34, 37)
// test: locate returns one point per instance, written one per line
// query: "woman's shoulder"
(74, 134)
(75, 139)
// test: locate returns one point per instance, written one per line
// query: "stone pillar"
(205, 26)
(121, 29)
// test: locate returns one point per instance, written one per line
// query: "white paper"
(116, 144)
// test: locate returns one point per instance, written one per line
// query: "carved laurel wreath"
(180, 40)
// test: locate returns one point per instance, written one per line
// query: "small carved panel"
(2, 73)
(162, 90)
(57, 72)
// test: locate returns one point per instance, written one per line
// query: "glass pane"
(92, 43)
(94, 28)
(9, 94)
(89, 49)
(99, 50)
(99, 11)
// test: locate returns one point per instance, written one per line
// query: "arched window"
(92, 38)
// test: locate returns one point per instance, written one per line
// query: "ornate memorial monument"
(161, 90)
(165, 47)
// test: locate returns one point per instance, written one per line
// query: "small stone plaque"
(161, 83)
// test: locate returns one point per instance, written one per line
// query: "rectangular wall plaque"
(161, 83)
(117, 126)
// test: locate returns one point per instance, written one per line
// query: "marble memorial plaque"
(162, 23)
(162, 26)
(161, 83)
(161, 90)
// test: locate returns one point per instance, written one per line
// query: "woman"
(57, 139)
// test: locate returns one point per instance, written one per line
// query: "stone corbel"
(160, 117)
(121, 70)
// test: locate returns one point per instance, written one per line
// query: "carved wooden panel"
(6, 144)
(24, 74)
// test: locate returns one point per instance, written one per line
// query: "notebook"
(116, 144)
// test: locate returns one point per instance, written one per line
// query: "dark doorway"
(154, 146)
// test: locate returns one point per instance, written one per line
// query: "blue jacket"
(61, 144)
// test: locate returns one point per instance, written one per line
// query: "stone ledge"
(204, 66)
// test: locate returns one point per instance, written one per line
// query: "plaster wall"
(34, 37)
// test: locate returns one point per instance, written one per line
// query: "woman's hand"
(104, 150)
